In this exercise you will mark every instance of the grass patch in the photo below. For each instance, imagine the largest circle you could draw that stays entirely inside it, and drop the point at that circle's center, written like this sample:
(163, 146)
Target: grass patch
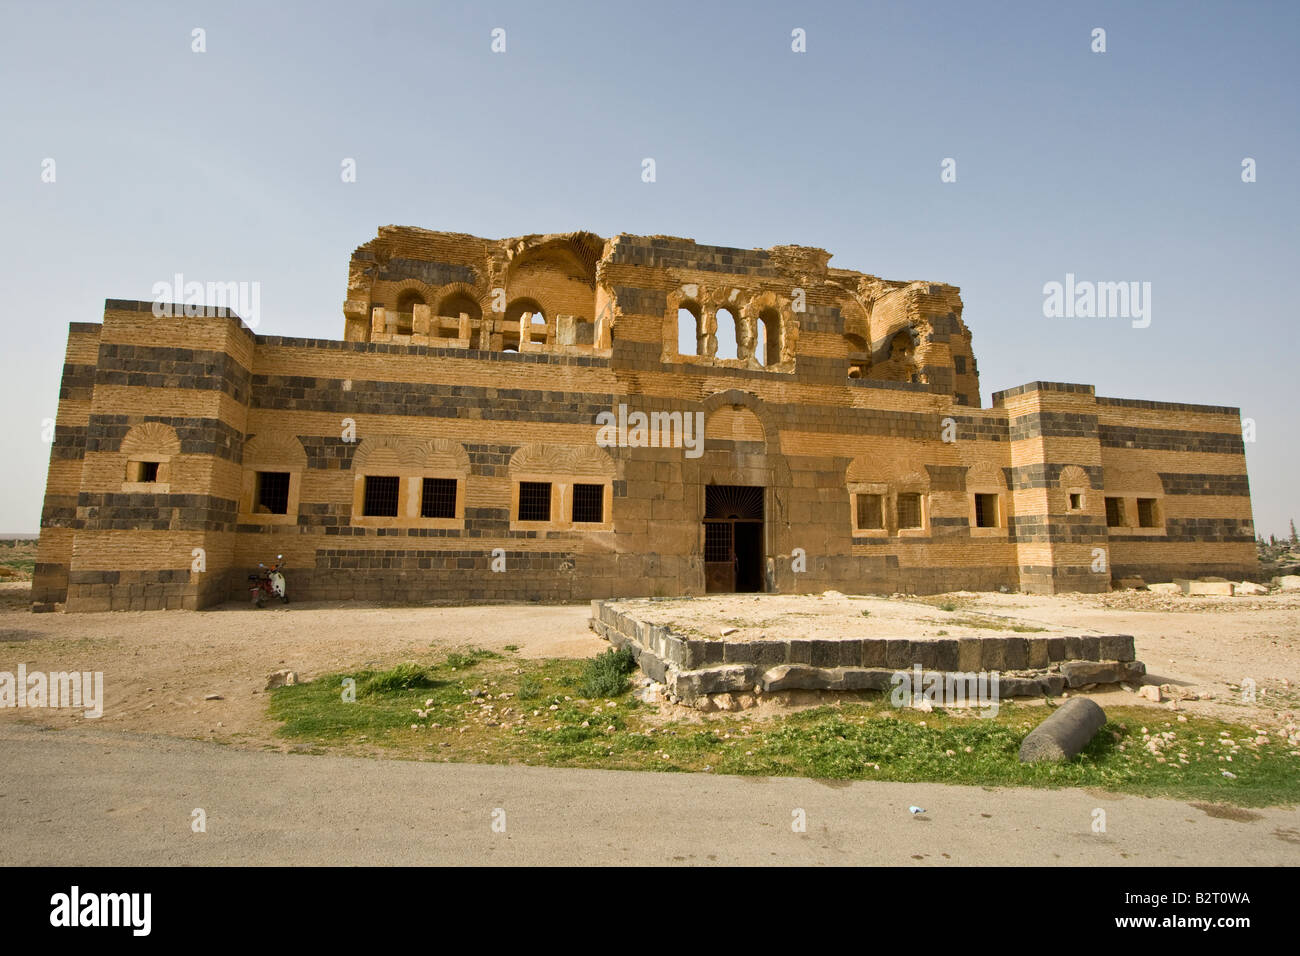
(462, 659)
(547, 712)
(401, 677)
(606, 674)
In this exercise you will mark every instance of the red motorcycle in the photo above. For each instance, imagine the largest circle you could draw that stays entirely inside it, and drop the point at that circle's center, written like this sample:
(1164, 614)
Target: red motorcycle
(268, 582)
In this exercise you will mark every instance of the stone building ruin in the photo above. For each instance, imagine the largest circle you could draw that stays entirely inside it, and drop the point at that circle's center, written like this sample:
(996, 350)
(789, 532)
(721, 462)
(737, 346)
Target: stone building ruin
(445, 449)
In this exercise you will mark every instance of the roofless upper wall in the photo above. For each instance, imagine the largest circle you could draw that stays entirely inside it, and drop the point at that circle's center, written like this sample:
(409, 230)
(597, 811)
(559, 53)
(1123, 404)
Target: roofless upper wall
(661, 301)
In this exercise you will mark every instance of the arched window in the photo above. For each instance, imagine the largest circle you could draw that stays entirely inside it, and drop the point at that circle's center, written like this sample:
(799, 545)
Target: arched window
(688, 329)
(459, 303)
(767, 346)
(727, 348)
(521, 307)
(520, 311)
(406, 303)
(408, 300)
(447, 324)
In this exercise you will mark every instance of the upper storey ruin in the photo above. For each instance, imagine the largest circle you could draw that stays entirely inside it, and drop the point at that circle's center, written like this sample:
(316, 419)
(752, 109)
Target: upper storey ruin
(655, 301)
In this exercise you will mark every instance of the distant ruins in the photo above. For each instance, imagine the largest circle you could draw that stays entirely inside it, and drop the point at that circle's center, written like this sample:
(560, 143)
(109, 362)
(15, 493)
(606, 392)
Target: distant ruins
(457, 445)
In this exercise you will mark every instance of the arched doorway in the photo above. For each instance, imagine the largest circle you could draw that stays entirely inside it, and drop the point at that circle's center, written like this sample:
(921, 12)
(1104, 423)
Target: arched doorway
(733, 538)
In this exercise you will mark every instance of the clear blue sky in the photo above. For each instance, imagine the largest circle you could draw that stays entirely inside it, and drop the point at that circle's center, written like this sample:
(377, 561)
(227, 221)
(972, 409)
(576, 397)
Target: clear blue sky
(1117, 166)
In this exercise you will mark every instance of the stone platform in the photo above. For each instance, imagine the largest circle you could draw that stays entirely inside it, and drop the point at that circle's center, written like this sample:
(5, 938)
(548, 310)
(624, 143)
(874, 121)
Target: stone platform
(729, 644)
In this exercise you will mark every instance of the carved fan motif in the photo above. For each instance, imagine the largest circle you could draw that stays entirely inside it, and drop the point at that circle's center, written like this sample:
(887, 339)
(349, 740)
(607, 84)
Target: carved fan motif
(733, 501)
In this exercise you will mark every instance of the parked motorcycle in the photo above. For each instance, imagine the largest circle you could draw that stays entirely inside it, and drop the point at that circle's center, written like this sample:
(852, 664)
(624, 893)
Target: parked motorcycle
(268, 582)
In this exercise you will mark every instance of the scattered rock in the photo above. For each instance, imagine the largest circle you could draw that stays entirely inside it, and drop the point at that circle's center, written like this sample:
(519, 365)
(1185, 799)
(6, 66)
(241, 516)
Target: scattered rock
(284, 678)
(728, 630)
(1249, 587)
(1165, 588)
(1288, 582)
(1150, 692)
(213, 697)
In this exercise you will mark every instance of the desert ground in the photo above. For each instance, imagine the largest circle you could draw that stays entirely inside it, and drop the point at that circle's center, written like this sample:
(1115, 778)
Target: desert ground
(185, 726)
(203, 674)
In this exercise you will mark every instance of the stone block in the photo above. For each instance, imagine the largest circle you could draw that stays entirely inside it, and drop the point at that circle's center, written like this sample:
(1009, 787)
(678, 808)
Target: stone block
(788, 677)
(1082, 673)
(993, 654)
(653, 666)
(1204, 588)
(769, 654)
(874, 652)
(800, 651)
(899, 654)
(1015, 654)
(866, 678)
(1036, 652)
(1117, 647)
(825, 653)
(968, 654)
(944, 655)
(850, 653)
(697, 653)
(1020, 687)
(737, 652)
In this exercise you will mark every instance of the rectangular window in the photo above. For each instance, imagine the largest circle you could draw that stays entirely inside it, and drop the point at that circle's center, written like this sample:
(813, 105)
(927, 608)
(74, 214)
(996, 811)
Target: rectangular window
(438, 498)
(272, 492)
(1114, 512)
(909, 510)
(871, 516)
(986, 511)
(1076, 501)
(381, 496)
(959, 364)
(1147, 516)
(148, 471)
(534, 501)
(588, 504)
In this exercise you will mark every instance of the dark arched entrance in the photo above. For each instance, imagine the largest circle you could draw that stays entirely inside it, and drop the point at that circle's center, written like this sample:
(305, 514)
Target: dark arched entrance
(733, 538)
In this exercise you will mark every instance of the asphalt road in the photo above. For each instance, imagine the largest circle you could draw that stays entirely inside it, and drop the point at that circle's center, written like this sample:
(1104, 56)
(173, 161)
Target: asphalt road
(78, 797)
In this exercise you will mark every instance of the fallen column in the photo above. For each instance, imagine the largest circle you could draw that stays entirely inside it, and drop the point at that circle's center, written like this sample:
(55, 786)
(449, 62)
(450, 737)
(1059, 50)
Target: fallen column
(1065, 733)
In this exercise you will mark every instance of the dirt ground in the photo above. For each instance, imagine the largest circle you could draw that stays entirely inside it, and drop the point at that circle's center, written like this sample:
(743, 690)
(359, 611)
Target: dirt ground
(160, 665)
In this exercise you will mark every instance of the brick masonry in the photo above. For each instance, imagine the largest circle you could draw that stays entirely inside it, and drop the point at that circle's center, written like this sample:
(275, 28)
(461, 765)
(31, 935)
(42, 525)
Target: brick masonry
(867, 386)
